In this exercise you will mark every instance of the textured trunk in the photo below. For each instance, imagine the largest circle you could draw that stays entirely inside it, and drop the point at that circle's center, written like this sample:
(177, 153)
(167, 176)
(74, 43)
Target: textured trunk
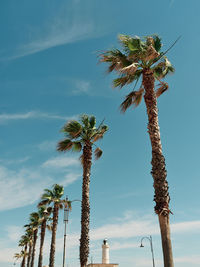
(24, 258)
(34, 244)
(53, 237)
(85, 208)
(29, 254)
(158, 172)
(42, 235)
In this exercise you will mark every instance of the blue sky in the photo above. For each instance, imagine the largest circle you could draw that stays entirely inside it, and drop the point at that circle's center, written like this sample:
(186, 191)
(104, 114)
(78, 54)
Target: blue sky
(48, 75)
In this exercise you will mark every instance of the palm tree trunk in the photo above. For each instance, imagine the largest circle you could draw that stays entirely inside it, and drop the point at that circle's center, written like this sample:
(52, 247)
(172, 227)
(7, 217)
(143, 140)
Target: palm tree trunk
(42, 236)
(24, 258)
(29, 254)
(158, 172)
(85, 208)
(34, 245)
(53, 237)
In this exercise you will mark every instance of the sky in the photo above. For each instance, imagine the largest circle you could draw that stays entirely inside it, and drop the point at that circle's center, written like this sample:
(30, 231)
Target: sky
(49, 74)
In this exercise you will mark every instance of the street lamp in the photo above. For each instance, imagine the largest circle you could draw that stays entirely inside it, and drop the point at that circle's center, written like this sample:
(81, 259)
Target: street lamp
(66, 218)
(151, 244)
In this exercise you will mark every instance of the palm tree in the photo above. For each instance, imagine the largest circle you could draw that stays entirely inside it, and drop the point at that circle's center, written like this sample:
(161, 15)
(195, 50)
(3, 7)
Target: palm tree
(142, 58)
(44, 214)
(81, 136)
(33, 226)
(18, 256)
(53, 197)
(29, 232)
(23, 242)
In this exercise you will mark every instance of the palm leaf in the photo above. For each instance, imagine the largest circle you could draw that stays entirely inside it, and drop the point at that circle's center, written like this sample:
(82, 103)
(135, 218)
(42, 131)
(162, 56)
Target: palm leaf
(126, 79)
(164, 87)
(98, 153)
(65, 145)
(92, 121)
(85, 120)
(72, 128)
(157, 42)
(132, 99)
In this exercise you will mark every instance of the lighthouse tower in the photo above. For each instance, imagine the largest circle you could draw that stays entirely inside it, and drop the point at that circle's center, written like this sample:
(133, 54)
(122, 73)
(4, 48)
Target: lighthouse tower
(105, 252)
(105, 257)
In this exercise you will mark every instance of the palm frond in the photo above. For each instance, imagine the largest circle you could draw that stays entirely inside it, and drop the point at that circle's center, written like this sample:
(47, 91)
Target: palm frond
(164, 87)
(100, 133)
(72, 129)
(92, 121)
(130, 43)
(163, 68)
(98, 153)
(65, 145)
(132, 99)
(126, 79)
(85, 120)
(157, 42)
(116, 59)
(130, 70)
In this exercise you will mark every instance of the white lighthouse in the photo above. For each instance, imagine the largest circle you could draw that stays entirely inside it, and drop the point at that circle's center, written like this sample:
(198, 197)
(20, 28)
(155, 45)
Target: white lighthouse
(105, 252)
(105, 257)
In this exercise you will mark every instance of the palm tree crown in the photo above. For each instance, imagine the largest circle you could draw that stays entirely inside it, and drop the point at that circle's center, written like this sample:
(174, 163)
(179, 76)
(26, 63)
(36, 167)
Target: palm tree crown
(79, 133)
(138, 55)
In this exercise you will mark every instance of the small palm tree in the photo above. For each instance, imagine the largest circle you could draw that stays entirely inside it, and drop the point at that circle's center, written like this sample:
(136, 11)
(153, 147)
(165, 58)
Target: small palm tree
(18, 256)
(53, 198)
(44, 214)
(81, 136)
(33, 227)
(29, 233)
(23, 242)
(142, 58)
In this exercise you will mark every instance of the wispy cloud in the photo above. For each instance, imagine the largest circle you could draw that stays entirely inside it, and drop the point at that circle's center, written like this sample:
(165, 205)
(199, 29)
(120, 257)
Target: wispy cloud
(69, 24)
(81, 87)
(32, 115)
(30, 182)
(47, 145)
(61, 162)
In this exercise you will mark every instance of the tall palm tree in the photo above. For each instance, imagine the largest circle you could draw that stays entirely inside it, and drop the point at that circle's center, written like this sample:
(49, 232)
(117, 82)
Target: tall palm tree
(81, 136)
(53, 198)
(142, 58)
(44, 214)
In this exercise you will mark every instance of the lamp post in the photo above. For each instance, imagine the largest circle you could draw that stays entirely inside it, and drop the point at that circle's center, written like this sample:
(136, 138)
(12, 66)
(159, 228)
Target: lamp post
(66, 219)
(151, 244)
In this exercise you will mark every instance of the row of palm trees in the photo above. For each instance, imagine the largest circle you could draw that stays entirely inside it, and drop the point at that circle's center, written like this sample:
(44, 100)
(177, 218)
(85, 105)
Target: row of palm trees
(80, 136)
(46, 217)
(141, 59)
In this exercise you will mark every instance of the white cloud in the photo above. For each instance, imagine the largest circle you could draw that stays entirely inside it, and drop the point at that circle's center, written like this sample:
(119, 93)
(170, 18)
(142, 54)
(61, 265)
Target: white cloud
(82, 87)
(20, 188)
(23, 187)
(14, 161)
(185, 226)
(61, 162)
(14, 232)
(70, 178)
(70, 24)
(32, 115)
(47, 145)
